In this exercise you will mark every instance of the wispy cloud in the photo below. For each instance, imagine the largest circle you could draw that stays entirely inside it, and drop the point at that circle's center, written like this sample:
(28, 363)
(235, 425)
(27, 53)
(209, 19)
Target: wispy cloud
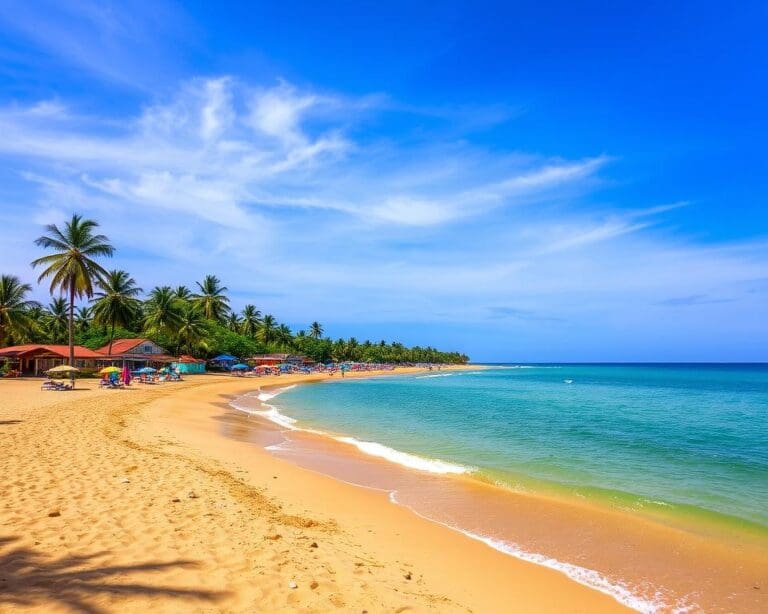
(282, 192)
(222, 146)
(693, 299)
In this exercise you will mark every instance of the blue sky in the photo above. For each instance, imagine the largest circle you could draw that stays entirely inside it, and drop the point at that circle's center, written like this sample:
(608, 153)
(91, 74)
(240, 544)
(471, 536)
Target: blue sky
(529, 181)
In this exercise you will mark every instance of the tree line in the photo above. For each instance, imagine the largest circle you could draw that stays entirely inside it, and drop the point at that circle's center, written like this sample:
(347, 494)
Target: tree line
(198, 321)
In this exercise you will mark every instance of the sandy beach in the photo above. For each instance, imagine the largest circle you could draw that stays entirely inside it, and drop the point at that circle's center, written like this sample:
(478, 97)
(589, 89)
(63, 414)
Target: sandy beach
(111, 502)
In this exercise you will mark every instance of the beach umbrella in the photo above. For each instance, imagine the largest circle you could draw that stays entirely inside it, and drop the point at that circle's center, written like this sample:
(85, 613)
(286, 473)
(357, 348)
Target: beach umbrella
(239, 367)
(106, 370)
(126, 375)
(146, 370)
(224, 358)
(63, 369)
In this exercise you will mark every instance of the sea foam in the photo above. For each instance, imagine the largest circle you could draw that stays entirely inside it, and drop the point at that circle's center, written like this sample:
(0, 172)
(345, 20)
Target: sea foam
(431, 465)
(587, 577)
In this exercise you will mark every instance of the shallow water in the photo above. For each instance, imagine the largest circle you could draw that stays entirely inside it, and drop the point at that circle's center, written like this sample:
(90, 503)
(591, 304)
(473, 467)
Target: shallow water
(680, 444)
(663, 435)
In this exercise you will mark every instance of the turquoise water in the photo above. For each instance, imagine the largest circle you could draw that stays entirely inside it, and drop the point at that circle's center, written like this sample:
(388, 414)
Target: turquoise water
(686, 437)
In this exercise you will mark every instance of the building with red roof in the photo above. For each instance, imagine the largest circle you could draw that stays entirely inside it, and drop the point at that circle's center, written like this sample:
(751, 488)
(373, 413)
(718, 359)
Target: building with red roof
(36, 358)
(136, 352)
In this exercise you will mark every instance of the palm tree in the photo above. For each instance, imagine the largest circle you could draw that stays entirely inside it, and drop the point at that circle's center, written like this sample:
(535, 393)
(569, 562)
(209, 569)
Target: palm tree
(211, 300)
(267, 329)
(284, 336)
(233, 322)
(83, 318)
(56, 321)
(36, 316)
(183, 293)
(250, 322)
(14, 308)
(316, 330)
(116, 303)
(72, 267)
(162, 311)
(192, 327)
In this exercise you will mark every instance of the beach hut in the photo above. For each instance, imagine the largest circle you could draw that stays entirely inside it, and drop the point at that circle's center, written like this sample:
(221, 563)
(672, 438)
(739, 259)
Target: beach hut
(188, 365)
(35, 358)
(136, 353)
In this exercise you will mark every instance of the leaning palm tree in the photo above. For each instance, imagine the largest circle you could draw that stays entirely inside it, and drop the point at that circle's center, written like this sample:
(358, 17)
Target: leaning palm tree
(116, 303)
(316, 330)
(211, 300)
(15, 320)
(250, 321)
(56, 320)
(162, 311)
(72, 266)
(267, 331)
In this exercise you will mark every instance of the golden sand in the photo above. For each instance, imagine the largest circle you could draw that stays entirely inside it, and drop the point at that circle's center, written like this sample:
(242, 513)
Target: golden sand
(132, 500)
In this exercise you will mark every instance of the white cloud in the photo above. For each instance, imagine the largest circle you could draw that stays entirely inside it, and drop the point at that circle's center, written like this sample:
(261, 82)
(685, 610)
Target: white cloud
(279, 192)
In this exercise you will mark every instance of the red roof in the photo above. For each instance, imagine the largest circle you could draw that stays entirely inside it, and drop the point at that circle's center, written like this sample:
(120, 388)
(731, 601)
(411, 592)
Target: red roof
(123, 346)
(186, 358)
(60, 350)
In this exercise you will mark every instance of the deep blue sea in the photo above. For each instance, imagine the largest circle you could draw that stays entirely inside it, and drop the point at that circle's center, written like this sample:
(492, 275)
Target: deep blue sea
(690, 438)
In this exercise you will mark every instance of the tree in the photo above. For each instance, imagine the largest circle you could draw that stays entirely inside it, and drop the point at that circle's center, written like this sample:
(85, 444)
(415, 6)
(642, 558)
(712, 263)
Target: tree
(316, 330)
(162, 311)
(56, 321)
(267, 332)
(15, 320)
(250, 322)
(116, 303)
(284, 336)
(72, 267)
(211, 300)
(83, 318)
(183, 293)
(192, 327)
(233, 322)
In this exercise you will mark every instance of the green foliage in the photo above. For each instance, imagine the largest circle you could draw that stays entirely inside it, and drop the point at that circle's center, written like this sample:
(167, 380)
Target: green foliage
(97, 337)
(221, 340)
(201, 323)
(15, 321)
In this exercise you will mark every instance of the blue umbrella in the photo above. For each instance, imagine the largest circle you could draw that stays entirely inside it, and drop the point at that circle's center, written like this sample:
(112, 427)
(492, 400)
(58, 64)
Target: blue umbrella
(239, 367)
(147, 370)
(225, 358)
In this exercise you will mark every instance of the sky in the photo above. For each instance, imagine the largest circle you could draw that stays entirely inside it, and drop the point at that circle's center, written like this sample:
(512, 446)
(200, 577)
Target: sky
(527, 181)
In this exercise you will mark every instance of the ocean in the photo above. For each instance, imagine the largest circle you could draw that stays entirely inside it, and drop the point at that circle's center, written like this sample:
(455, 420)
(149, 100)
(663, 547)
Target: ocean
(684, 445)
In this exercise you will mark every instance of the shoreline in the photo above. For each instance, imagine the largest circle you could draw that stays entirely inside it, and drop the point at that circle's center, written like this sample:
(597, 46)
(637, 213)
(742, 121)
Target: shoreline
(693, 535)
(675, 515)
(368, 511)
(248, 530)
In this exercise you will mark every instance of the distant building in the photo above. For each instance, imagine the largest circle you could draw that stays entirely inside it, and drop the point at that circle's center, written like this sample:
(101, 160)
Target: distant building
(36, 358)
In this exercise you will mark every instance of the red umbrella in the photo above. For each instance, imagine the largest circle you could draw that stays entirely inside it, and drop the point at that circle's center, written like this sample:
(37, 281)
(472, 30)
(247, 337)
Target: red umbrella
(126, 375)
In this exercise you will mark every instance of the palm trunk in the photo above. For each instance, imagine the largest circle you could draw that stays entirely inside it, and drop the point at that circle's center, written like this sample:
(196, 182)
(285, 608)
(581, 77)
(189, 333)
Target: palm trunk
(111, 338)
(72, 326)
(72, 331)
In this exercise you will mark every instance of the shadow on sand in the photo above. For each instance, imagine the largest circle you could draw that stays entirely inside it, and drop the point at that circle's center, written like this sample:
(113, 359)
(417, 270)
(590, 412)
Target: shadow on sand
(28, 578)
